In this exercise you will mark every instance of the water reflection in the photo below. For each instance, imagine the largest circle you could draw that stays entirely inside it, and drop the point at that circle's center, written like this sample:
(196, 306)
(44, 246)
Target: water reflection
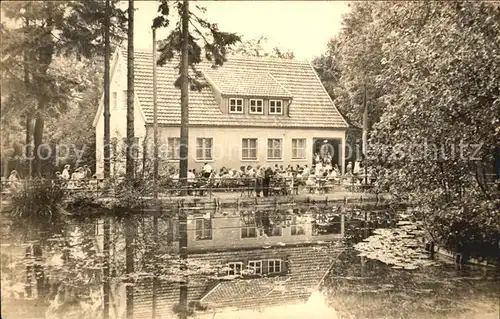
(261, 263)
(358, 287)
(315, 307)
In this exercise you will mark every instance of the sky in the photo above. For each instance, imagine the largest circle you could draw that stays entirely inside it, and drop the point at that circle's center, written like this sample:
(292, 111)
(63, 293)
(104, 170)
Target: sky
(303, 27)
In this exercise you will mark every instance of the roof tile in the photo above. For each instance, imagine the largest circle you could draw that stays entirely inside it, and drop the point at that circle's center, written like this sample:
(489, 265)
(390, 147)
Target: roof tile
(250, 76)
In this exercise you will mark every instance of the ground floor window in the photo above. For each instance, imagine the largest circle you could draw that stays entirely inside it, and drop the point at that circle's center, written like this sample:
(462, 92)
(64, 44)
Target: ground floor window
(204, 149)
(271, 231)
(274, 148)
(298, 148)
(173, 148)
(203, 229)
(249, 149)
(297, 226)
(248, 232)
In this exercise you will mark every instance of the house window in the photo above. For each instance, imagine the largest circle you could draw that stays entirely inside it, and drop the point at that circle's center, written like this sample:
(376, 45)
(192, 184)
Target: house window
(274, 148)
(275, 231)
(249, 149)
(173, 148)
(204, 149)
(298, 148)
(274, 266)
(235, 105)
(114, 100)
(235, 268)
(124, 99)
(275, 107)
(255, 266)
(297, 226)
(203, 229)
(248, 232)
(256, 106)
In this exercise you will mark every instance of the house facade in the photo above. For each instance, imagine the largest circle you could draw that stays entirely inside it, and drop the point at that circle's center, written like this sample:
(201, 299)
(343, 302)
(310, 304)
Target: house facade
(239, 258)
(251, 110)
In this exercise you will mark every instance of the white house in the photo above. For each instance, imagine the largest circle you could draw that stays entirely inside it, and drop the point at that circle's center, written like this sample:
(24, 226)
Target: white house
(255, 110)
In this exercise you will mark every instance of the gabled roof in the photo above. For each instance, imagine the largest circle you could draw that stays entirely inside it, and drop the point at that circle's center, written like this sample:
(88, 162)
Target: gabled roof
(311, 105)
(242, 82)
(308, 266)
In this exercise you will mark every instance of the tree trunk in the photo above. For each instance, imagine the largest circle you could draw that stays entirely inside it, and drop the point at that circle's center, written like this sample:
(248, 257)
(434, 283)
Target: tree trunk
(107, 53)
(130, 92)
(39, 273)
(29, 272)
(129, 264)
(29, 119)
(28, 146)
(183, 242)
(129, 235)
(38, 138)
(106, 282)
(155, 266)
(183, 162)
(44, 60)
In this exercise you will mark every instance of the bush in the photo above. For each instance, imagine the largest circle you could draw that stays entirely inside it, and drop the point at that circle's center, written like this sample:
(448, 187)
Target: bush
(37, 204)
(471, 227)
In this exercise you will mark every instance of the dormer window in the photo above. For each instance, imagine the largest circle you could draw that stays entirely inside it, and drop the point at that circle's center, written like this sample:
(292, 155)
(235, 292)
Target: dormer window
(256, 106)
(235, 105)
(276, 107)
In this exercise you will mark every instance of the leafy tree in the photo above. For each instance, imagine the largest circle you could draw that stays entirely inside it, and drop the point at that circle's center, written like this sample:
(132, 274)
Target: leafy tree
(257, 47)
(42, 32)
(353, 61)
(438, 94)
(329, 69)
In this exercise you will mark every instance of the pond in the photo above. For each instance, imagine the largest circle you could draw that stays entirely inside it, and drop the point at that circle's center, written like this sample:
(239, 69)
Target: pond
(303, 270)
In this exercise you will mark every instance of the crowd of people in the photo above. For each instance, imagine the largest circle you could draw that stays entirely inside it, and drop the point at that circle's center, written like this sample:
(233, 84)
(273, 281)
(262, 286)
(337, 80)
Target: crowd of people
(74, 178)
(78, 174)
(261, 180)
(265, 180)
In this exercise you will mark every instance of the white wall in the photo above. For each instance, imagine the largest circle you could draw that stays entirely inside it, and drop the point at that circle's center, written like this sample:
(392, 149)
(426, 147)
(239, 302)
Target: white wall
(227, 144)
(118, 119)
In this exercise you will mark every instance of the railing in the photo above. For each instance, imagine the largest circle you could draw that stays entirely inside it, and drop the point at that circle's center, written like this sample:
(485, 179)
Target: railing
(199, 186)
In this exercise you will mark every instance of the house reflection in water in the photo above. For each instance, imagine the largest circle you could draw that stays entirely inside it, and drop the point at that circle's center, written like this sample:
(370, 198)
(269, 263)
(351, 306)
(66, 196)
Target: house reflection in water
(256, 260)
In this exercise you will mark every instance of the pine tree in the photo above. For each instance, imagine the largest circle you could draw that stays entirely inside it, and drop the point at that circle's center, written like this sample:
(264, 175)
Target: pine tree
(42, 32)
(183, 42)
(215, 44)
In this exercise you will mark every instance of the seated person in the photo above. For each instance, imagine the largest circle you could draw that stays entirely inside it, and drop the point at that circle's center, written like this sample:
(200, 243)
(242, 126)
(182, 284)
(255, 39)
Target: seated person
(191, 177)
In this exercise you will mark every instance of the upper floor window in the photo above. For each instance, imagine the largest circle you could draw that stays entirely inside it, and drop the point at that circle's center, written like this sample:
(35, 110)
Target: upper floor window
(275, 107)
(235, 105)
(114, 100)
(255, 267)
(256, 106)
(274, 266)
(204, 149)
(124, 99)
(234, 268)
